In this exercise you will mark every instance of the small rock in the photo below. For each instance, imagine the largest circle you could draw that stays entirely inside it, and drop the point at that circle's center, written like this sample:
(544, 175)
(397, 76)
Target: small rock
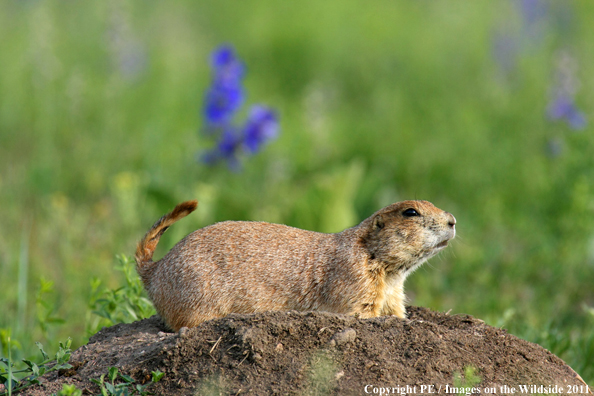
(183, 332)
(345, 336)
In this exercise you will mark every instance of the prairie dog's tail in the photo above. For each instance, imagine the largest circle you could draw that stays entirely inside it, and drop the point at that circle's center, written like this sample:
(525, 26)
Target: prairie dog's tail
(146, 247)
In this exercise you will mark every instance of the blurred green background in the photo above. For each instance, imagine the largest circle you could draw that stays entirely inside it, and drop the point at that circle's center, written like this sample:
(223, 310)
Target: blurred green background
(100, 119)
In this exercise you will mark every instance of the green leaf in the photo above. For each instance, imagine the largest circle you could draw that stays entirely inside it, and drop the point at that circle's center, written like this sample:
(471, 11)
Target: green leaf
(33, 366)
(123, 392)
(113, 373)
(70, 390)
(96, 381)
(68, 343)
(110, 388)
(127, 378)
(64, 366)
(157, 375)
(132, 313)
(45, 356)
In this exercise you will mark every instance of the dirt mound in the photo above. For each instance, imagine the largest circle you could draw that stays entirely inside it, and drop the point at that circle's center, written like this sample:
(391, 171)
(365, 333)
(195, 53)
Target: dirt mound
(307, 353)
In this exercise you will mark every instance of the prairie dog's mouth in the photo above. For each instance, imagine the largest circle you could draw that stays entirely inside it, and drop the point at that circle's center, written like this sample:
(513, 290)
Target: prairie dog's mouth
(442, 244)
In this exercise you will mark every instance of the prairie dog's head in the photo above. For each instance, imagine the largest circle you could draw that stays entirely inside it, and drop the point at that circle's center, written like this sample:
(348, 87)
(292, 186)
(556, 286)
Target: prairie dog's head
(404, 235)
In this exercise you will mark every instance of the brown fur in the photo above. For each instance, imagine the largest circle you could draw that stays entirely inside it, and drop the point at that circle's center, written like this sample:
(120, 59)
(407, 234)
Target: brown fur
(247, 267)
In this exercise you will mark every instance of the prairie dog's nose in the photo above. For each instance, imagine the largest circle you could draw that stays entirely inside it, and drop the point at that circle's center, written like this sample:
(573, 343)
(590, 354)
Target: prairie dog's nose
(451, 219)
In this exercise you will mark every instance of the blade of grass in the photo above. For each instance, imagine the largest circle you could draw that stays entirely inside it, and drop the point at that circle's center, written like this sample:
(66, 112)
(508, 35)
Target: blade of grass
(23, 277)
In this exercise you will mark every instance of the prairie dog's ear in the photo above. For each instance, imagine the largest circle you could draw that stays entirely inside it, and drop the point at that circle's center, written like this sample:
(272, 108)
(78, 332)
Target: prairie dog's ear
(378, 222)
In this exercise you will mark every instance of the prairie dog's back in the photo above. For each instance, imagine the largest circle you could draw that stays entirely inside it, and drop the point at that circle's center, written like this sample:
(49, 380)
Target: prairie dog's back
(241, 242)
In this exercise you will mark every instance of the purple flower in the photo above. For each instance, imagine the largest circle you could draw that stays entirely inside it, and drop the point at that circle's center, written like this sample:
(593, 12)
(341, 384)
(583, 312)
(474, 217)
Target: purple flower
(228, 68)
(261, 126)
(225, 96)
(225, 149)
(505, 51)
(128, 53)
(510, 42)
(563, 107)
(222, 101)
(533, 11)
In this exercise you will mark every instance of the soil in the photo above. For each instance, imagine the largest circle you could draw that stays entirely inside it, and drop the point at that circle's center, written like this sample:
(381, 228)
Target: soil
(317, 353)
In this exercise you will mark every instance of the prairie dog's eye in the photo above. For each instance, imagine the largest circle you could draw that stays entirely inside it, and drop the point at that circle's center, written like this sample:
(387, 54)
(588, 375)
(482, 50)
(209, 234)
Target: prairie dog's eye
(410, 212)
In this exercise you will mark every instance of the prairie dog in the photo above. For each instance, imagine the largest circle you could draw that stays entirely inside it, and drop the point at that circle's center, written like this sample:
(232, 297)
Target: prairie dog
(247, 267)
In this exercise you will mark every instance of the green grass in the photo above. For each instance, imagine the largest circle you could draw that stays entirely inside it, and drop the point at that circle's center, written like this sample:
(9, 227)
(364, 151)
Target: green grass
(378, 102)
